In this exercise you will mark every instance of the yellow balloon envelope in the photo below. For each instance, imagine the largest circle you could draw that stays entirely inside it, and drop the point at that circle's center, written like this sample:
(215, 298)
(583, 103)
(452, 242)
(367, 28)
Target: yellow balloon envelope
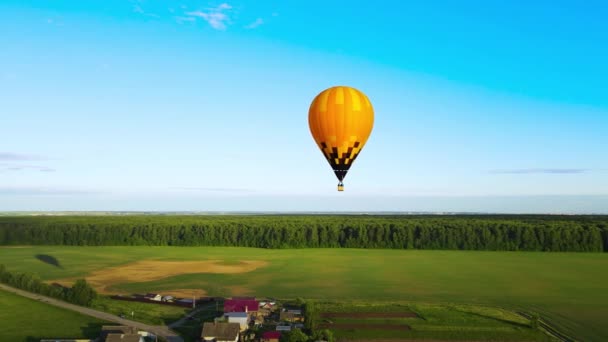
(341, 120)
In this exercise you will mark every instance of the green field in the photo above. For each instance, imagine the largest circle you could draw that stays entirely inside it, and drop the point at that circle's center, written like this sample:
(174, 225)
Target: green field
(440, 322)
(568, 289)
(27, 320)
(152, 314)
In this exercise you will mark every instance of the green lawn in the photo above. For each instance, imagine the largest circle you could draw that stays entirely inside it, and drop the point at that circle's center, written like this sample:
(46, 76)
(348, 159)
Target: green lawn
(153, 314)
(569, 289)
(27, 320)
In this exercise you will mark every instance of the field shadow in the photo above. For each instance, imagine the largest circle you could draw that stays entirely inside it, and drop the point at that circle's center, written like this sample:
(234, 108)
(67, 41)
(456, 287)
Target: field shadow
(48, 259)
(89, 331)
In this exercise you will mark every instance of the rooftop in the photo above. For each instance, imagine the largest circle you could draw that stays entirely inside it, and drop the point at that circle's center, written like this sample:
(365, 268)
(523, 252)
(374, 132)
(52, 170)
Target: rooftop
(220, 331)
(123, 338)
(236, 314)
(271, 334)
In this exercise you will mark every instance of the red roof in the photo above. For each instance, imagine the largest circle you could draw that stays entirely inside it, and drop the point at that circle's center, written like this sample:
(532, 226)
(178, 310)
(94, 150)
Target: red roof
(241, 305)
(271, 334)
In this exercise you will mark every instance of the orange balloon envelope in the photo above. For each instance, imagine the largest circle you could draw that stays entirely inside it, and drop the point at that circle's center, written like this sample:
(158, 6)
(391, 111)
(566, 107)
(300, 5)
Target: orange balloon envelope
(341, 120)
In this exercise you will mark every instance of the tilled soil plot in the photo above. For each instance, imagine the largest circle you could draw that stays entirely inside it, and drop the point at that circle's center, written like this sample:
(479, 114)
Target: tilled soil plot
(368, 315)
(365, 326)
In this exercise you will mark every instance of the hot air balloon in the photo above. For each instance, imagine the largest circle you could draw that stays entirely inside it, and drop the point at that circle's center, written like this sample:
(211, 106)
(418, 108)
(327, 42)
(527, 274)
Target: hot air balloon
(340, 120)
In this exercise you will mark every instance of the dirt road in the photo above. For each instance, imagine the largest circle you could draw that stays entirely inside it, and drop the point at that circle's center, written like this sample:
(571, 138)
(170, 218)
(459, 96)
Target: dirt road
(159, 330)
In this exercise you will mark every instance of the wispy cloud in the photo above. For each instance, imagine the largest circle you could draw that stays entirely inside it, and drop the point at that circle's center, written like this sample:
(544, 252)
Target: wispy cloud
(9, 156)
(539, 171)
(256, 23)
(204, 189)
(42, 191)
(181, 20)
(138, 9)
(13, 162)
(22, 167)
(216, 17)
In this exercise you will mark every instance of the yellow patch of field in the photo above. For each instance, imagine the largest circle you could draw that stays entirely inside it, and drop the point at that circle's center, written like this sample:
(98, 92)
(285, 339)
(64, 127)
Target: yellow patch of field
(150, 270)
(185, 293)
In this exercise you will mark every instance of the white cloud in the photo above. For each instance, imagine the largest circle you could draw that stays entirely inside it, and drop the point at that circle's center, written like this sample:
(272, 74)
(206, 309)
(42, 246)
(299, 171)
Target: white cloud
(24, 167)
(138, 9)
(256, 23)
(216, 17)
(539, 171)
(181, 20)
(18, 156)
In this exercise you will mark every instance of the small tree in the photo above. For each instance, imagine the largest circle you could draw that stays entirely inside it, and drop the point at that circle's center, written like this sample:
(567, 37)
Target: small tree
(296, 335)
(81, 293)
(324, 335)
(310, 315)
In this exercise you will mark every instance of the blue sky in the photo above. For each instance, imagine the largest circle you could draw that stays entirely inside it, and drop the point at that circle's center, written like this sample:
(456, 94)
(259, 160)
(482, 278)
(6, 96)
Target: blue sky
(196, 105)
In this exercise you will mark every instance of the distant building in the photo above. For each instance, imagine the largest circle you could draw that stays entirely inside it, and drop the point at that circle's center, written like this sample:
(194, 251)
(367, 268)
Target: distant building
(220, 332)
(271, 336)
(242, 318)
(283, 328)
(291, 316)
(124, 338)
(120, 333)
(153, 296)
(241, 304)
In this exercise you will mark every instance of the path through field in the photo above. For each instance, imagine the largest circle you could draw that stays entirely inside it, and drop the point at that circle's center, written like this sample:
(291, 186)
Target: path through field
(159, 330)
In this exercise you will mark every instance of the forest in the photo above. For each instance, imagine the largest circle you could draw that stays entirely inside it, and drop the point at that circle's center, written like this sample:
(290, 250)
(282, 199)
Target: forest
(452, 232)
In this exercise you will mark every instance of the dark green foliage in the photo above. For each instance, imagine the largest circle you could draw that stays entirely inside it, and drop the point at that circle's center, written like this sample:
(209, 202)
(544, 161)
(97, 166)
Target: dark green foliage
(81, 293)
(463, 232)
(295, 335)
(311, 315)
(323, 335)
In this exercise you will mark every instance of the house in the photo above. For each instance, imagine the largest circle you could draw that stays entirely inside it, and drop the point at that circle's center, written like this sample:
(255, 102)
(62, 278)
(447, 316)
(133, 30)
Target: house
(283, 328)
(124, 338)
(259, 320)
(153, 296)
(241, 304)
(122, 333)
(271, 336)
(242, 318)
(266, 306)
(291, 316)
(220, 332)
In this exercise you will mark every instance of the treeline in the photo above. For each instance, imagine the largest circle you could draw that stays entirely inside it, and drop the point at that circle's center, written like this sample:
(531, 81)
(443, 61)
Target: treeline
(482, 232)
(80, 293)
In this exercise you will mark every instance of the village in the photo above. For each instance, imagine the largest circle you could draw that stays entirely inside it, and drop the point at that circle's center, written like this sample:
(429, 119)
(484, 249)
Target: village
(236, 319)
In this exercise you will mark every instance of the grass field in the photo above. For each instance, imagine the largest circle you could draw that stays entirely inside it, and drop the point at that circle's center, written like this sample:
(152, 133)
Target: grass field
(27, 320)
(152, 314)
(569, 289)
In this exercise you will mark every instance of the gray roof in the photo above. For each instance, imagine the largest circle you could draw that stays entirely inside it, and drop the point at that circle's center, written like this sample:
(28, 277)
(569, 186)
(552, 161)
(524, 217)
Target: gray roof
(221, 331)
(123, 338)
(236, 314)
